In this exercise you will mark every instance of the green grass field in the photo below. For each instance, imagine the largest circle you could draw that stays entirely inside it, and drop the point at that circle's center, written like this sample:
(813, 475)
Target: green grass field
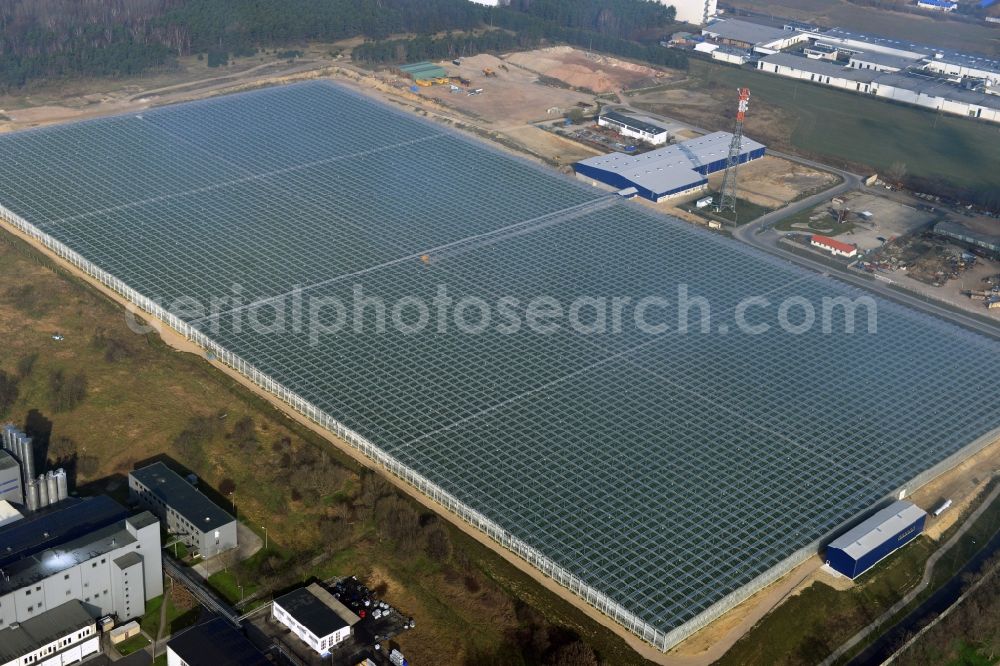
(865, 130)
(746, 211)
(130, 645)
(845, 128)
(802, 223)
(228, 584)
(144, 399)
(807, 627)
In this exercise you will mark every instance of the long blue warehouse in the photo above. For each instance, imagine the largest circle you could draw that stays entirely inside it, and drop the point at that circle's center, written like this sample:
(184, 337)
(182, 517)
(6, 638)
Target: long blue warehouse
(667, 172)
(862, 547)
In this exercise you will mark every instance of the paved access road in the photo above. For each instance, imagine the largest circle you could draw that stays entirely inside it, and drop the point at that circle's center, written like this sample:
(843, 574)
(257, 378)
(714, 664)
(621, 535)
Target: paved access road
(761, 235)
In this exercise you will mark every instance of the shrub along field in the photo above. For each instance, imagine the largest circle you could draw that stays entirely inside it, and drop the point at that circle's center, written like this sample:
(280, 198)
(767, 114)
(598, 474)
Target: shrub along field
(840, 127)
(102, 399)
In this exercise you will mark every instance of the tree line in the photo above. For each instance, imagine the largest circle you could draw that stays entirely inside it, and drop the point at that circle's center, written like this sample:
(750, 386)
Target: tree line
(612, 26)
(45, 39)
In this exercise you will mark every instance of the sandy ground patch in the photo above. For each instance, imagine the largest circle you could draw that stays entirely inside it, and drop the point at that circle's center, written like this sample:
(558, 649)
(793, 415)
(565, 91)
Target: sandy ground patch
(712, 642)
(589, 71)
(775, 181)
(512, 97)
(889, 219)
(131, 98)
(962, 486)
(549, 146)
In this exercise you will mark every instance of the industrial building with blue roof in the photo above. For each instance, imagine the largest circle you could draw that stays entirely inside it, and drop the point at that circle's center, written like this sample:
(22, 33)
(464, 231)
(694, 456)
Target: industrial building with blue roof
(668, 172)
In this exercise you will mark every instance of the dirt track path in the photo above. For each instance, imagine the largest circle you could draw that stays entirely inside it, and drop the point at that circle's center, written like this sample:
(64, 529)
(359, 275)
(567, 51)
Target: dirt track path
(924, 582)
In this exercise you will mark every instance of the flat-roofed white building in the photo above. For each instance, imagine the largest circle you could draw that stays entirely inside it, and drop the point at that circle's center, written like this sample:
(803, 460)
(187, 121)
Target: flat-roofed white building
(8, 514)
(114, 570)
(188, 514)
(731, 54)
(929, 92)
(633, 127)
(882, 62)
(938, 5)
(58, 637)
(965, 66)
(749, 35)
(315, 616)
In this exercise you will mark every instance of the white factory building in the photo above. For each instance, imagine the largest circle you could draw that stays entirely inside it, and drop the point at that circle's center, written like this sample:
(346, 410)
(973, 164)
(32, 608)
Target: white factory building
(967, 67)
(928, 92)
(668, 172)
(113, 570)
(696, 12)
(938, 5)
(938, 79)
(64, 635)
(633, 127)
(749, 35)
(315, 616)
(881, 62)
(186, 512)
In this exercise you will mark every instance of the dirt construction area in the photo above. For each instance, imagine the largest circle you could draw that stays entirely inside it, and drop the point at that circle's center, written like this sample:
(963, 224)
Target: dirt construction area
(550, 146)
(889, 219)
(866, 220)
(588, 71)
(955, 291)
(513, 96)
(773, 182)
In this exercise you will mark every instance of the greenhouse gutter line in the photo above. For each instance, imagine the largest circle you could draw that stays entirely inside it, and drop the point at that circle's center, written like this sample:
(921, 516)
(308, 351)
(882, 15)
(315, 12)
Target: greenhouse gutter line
(252, 177)
(429, 255)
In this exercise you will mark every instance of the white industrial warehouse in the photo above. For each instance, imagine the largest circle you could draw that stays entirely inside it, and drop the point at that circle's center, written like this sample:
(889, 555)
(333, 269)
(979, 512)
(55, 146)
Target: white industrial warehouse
(188, 514)
(315, 616)
(946, 81)
(633, 127)
(925, 91)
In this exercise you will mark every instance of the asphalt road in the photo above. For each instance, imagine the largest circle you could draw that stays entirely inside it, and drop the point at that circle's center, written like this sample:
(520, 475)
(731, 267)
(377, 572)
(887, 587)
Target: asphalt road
(761, 235)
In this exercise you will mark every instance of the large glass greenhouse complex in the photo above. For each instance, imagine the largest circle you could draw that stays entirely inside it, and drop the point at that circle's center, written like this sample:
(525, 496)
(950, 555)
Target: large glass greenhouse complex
(662, 476)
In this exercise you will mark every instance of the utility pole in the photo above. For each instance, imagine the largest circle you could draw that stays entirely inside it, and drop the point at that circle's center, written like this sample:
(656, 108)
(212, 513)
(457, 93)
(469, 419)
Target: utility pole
(727, 193)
